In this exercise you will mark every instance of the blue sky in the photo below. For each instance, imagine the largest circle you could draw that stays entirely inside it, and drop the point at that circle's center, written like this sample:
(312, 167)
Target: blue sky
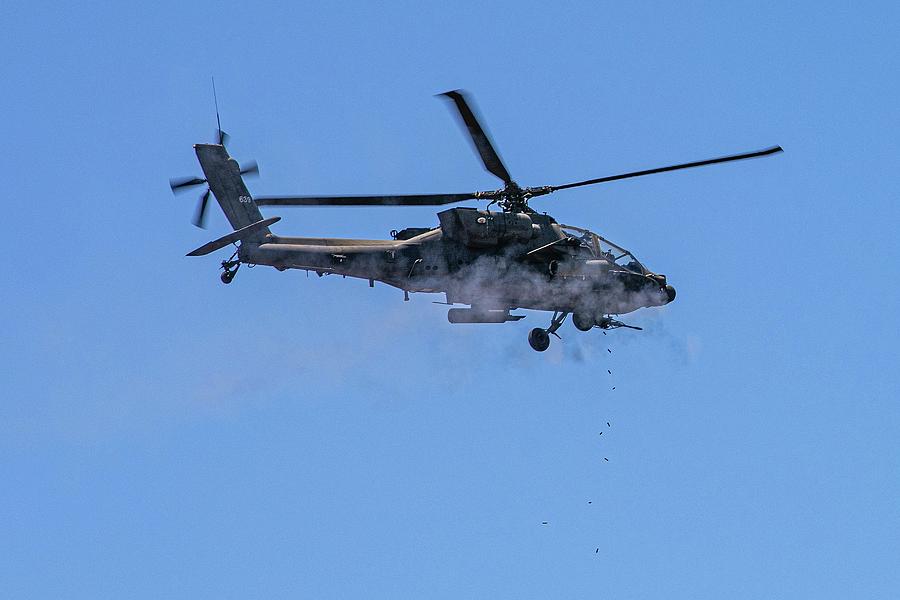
(163, 435)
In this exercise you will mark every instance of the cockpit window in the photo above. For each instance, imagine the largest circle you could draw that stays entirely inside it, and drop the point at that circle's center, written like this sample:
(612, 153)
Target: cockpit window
(602, 248)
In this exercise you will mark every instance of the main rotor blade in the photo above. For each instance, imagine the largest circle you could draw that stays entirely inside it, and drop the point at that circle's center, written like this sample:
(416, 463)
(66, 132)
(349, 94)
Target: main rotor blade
(199, 219)
(184, 182)
(405, 200)
(699, 163)
(482, 142)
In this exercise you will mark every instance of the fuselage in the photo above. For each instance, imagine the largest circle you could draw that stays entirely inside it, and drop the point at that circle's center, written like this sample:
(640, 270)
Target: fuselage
(488, 260)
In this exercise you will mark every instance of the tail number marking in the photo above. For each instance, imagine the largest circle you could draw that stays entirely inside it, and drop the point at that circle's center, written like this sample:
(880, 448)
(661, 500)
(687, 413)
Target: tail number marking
(245, 199)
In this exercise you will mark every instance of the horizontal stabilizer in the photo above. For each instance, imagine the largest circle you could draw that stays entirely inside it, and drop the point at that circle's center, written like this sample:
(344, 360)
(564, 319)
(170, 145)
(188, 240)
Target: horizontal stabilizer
(234, 236)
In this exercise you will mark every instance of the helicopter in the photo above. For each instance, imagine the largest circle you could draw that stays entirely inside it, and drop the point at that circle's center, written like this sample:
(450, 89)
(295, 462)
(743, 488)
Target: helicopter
(492, 262)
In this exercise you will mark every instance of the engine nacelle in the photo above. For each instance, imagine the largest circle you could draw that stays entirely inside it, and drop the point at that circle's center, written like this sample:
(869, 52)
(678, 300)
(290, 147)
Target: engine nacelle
(483, 228)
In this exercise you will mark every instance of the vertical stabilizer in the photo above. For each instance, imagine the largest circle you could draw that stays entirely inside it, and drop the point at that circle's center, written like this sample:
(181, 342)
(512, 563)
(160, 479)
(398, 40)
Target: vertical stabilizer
(223, 174)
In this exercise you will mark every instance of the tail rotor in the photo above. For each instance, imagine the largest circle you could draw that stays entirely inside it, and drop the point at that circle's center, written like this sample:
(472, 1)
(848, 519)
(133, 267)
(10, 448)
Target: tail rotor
(181, 184)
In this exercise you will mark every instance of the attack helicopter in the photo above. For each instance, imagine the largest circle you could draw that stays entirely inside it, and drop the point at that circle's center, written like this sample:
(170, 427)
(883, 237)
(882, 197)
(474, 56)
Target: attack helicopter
(492, 262)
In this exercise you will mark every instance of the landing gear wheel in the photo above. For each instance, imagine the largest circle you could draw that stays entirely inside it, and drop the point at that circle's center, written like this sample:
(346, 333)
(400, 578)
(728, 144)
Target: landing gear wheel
(230, 268)
(539, 339)
(583, 321)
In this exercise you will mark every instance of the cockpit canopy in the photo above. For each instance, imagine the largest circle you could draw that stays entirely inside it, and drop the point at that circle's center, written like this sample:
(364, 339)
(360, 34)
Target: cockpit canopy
(601, 247)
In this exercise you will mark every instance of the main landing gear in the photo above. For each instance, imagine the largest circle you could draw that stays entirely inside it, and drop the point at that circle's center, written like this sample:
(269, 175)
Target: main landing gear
(539, 339)
(583, 321)
(230, 268)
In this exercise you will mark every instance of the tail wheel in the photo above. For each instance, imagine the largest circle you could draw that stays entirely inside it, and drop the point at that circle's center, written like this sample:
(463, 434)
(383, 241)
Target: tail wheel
(539, 339)
(227, 277)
